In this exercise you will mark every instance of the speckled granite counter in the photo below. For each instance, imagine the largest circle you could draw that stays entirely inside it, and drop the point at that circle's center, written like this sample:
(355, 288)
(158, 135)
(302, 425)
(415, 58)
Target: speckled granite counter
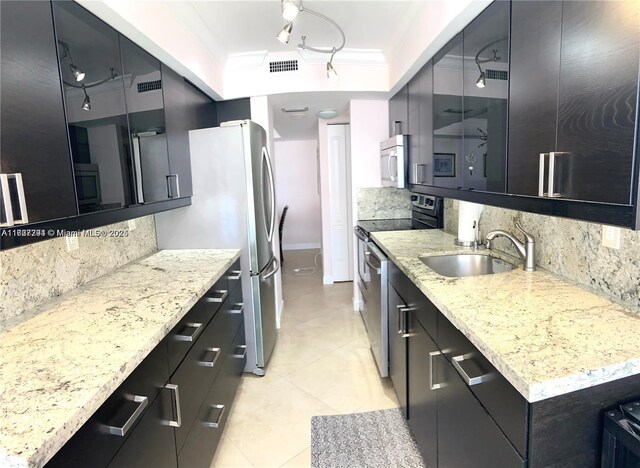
(546, 335)
(59, 366)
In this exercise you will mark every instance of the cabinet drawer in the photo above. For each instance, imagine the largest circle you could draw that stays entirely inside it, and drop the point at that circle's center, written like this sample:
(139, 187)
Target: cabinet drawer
(506, 406)
(234, 275)
(93, 444)
(152, 442)
(204, 436)
(467, 436)
(186, 332)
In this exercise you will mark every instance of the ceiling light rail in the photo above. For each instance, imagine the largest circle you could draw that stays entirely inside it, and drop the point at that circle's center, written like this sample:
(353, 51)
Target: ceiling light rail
(290, 10)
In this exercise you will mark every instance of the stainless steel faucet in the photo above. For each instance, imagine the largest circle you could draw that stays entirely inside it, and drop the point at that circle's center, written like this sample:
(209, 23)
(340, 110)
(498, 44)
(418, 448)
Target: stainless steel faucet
(527, 250)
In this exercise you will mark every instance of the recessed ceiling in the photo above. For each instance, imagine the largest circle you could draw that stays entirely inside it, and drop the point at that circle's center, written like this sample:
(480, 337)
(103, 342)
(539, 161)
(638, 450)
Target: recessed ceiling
(306, 128)
(243, 26)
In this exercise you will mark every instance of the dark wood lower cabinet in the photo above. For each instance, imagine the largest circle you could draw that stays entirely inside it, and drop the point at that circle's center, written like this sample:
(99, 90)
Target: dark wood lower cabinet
(467, 436)
(152, 443)
(163, 418)
(398, 348)
(423, 392)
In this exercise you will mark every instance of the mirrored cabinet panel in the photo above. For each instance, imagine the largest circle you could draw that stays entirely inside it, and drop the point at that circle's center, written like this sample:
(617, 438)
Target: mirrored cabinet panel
(486, 90)
(36, 177)
(145, 106)
(448, 115)
(93, 85)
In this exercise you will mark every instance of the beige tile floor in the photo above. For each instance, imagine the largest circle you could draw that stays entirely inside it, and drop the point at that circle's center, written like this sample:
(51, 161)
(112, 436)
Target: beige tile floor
(321, 365)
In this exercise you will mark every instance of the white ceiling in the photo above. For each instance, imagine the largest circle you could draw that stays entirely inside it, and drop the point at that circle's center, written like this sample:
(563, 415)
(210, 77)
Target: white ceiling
(242, 26)
(238, 26)
(290, 128)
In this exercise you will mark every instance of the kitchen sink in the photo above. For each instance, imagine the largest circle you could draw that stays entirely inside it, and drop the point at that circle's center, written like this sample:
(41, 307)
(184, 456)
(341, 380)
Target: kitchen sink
(458, 265)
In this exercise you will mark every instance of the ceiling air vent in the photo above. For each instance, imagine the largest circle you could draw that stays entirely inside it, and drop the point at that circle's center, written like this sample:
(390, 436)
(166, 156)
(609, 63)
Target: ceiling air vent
(497, 75)
(149, 86)
(283, 66)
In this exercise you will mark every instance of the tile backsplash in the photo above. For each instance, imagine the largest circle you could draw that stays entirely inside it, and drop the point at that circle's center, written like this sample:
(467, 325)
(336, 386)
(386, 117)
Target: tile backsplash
(383, 203)
(32, 274)
(569, 248)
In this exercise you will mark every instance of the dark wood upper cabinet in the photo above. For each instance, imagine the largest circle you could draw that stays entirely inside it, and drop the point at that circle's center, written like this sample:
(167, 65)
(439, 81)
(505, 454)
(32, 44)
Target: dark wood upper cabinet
(185, 108)
(534, 75)
(398, 113)
(448, 115)
(486, 92)
(93, 85)
(145, 110)
(34, 138)
(574, 93)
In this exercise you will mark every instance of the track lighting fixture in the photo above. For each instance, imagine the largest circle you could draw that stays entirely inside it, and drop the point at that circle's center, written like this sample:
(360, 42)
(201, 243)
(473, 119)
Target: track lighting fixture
(77, 72)
(332, 74)
(284, 35)
(86, 104)
(482, 79)
(290, 9)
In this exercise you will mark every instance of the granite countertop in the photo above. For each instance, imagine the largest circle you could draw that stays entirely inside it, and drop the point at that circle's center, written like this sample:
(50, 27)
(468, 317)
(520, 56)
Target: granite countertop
(60, 365)
(546, 335)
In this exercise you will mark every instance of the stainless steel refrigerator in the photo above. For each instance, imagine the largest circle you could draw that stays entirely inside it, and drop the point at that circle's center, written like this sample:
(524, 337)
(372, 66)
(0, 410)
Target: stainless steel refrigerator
(233, 206)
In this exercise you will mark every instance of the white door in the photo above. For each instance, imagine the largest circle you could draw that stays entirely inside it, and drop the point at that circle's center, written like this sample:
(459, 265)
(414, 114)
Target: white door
(340, 202)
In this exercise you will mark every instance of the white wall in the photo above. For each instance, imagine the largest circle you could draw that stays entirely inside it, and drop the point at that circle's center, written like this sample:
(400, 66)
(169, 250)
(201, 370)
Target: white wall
(297, 186)
(369, 126)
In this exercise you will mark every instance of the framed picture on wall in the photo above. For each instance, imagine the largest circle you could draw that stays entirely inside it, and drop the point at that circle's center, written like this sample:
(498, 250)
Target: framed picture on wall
(444, 164)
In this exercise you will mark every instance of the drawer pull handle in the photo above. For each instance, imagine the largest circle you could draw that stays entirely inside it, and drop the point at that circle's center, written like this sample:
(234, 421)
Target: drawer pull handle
(197, 329)
(457, 363)
(175, 405)
(432, 384)
(237, 309)
(243, 352)
(216, 424)
(235, 275)
(121, 431)
(213, 361)
(223, 293)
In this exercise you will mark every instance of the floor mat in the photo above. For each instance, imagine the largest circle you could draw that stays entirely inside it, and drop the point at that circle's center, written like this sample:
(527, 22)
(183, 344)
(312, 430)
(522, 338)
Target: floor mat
(373, 439)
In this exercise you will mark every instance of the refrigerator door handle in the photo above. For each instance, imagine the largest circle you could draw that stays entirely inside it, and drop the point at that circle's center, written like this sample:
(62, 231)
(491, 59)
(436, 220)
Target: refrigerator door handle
(137, 168)
(272, 195)
(274, 260)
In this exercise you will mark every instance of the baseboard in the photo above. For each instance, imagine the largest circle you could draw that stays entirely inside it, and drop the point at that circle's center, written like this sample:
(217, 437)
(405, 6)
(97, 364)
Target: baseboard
(303, 246)
(327, 279)
(357, 304)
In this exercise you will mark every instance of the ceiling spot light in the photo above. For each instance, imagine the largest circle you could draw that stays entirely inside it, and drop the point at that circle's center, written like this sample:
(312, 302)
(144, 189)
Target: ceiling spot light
(86, 104)
(289, 9)
(481, 83)
(332, 74)
(284, 35)
(79, 74)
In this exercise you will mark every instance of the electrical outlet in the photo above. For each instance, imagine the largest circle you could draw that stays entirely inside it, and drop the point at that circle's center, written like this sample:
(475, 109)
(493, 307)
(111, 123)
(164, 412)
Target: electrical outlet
(72, 243)
(611, 236)
(132, 224)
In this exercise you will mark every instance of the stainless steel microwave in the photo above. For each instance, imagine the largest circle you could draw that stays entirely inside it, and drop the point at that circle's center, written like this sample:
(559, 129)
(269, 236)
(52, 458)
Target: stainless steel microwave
(88, 184)
(393, 159)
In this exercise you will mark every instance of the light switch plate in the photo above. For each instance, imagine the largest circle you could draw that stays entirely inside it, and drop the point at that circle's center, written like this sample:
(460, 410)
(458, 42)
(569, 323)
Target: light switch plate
(132, 224)
(611, 237)
(72, 243)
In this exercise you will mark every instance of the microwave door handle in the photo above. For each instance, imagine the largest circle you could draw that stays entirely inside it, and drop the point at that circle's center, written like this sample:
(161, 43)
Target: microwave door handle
(6, 200)
(392, 155)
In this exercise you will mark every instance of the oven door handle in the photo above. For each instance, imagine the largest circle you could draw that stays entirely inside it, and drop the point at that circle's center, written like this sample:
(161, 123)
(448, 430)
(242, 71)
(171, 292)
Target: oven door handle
(377, 269)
